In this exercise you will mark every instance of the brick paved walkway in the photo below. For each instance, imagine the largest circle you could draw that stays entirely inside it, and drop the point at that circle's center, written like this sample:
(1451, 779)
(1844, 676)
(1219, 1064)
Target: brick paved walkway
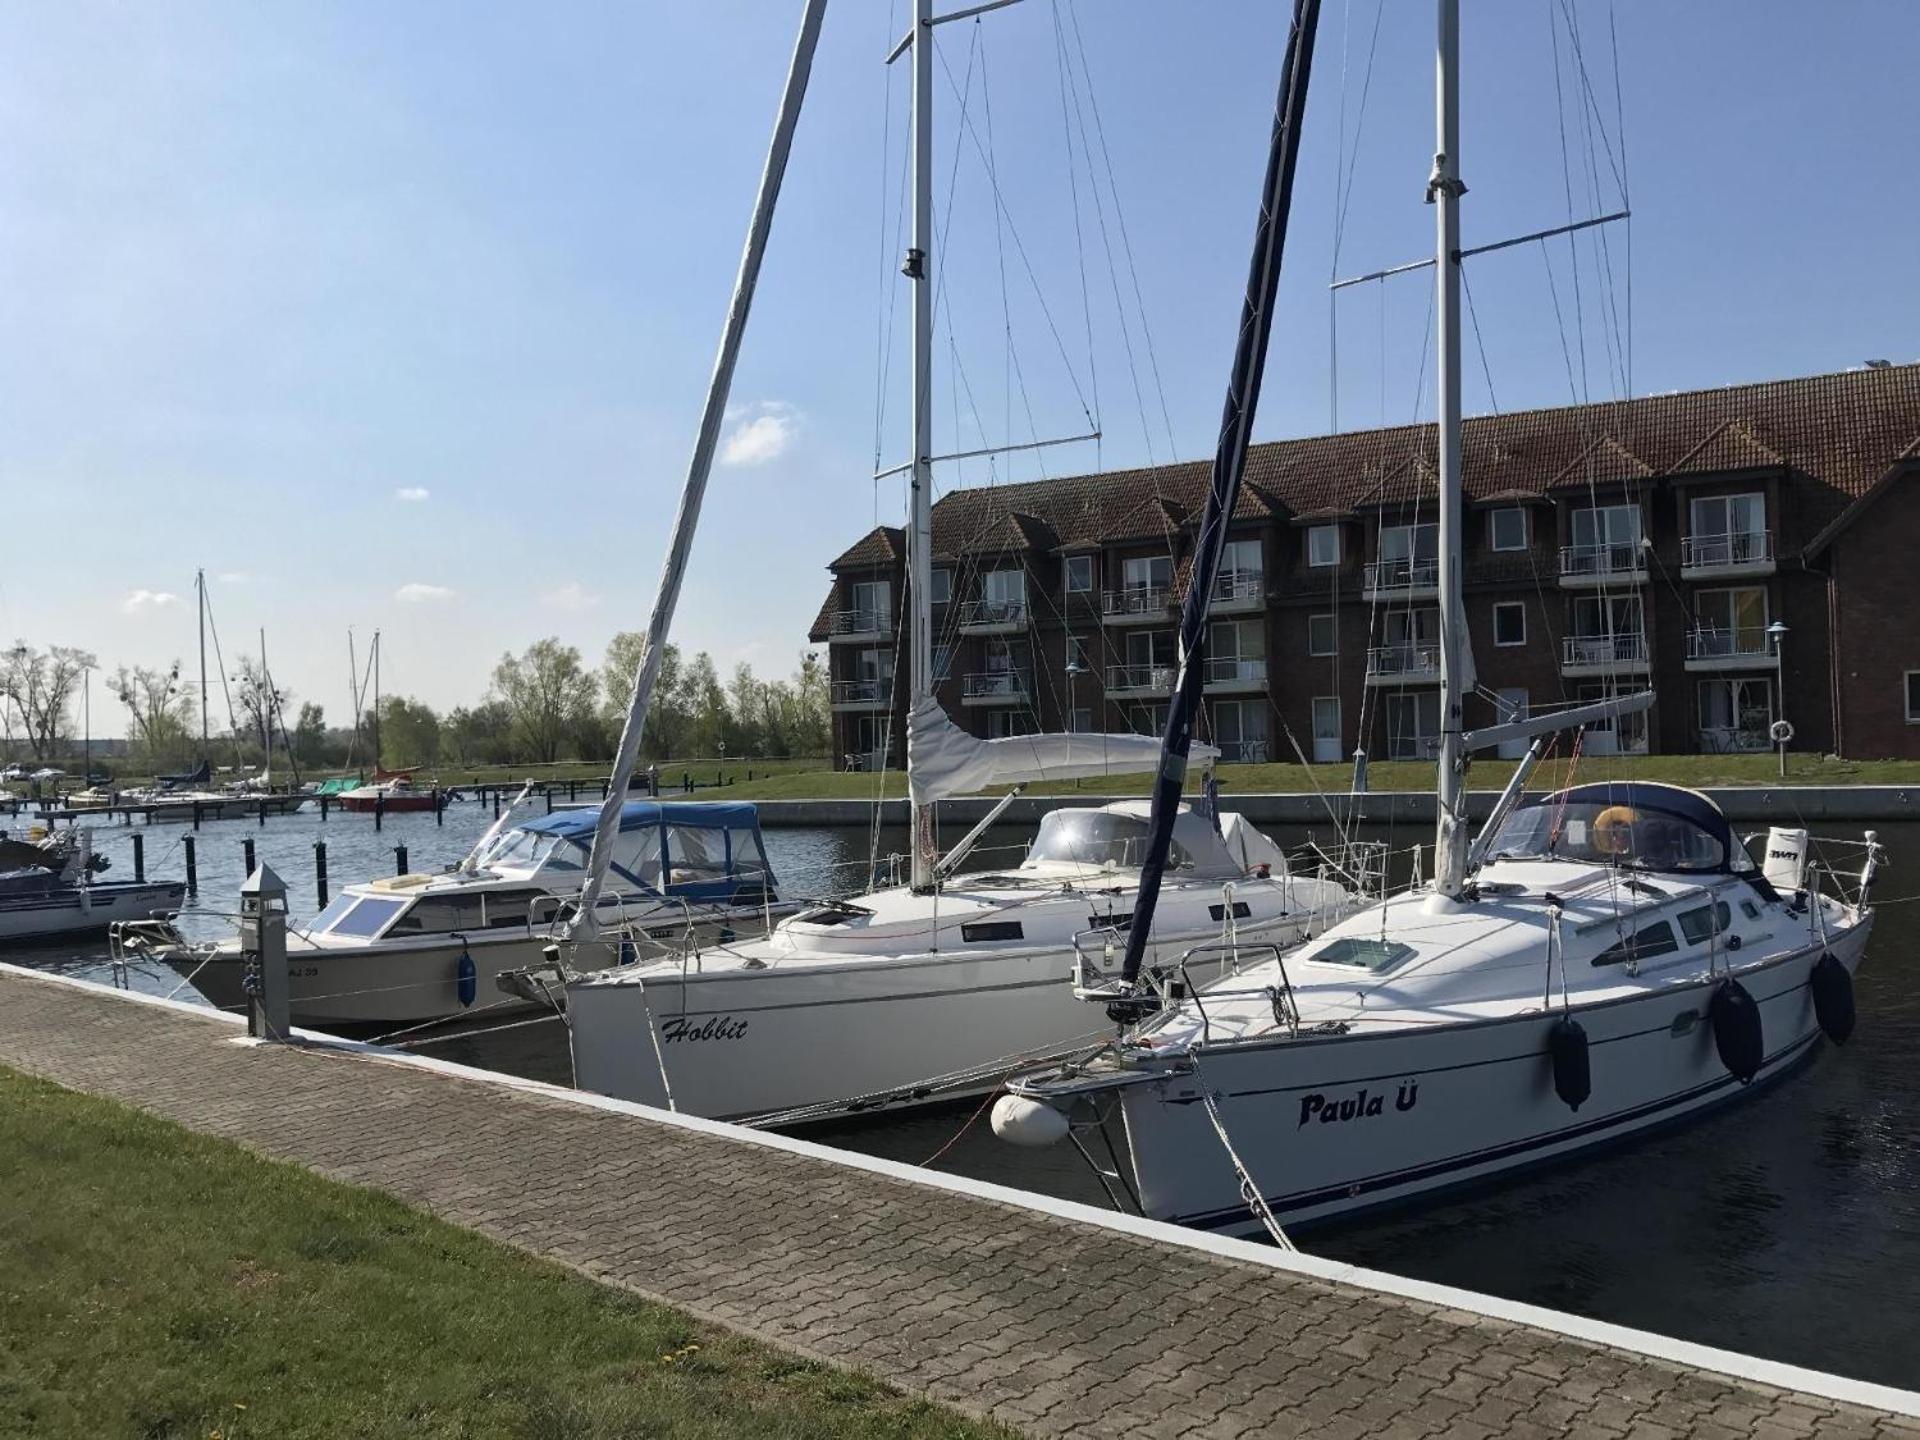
(1056, 1326)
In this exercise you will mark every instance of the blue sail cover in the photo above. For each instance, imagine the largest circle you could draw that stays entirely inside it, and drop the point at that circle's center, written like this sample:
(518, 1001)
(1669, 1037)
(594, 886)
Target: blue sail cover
(638, 814)
(705, 850)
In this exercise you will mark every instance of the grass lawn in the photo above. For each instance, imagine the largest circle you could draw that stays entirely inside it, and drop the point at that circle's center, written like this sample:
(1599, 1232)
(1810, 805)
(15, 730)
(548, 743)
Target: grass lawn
(154, 1283)
(1488, 774)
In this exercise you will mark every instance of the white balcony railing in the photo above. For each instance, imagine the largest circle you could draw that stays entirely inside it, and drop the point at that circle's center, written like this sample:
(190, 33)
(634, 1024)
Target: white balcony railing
(994, 685)
(1139, 677)
(1386, 576)
(1229, 670)
(978, 614)
(1603, 651)
(1624, 559)
(1137, 600)
(1406, 661)
(860, 622)
(862, 692)
(1735, 551)
(1708, 643)
(1237, 586)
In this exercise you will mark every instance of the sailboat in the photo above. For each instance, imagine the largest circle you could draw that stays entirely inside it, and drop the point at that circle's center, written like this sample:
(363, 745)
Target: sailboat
(1601, 960)
(936, 987)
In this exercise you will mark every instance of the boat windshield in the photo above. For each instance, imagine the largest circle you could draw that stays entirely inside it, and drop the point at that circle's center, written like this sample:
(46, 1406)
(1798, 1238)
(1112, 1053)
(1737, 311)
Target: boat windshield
(1099, 838)
(1599, 832)
(531, 850)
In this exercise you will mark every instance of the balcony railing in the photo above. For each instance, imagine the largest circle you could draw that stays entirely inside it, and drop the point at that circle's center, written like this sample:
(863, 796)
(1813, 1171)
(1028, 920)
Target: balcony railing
(994, 685)
(1708, 643)
(862, 692)
(1416, 661)
(1736, 551)
(1623, 560)
(1244, 752)
(1140, 600)
(1239, 586)
(860, 622)
(1404, 573)
(1732, 739)
(1603, 651)
(1139, 677)
(1228, 670)
(991, 614)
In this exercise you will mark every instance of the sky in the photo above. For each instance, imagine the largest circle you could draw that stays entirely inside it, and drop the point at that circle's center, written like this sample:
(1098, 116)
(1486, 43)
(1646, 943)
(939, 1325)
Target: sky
(400, 317)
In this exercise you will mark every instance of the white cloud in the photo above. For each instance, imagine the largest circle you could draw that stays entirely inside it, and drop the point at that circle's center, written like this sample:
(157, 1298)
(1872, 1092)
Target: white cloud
(417, 593)
(141, 600)
(572, 596)
(412, 494)
(761, 434)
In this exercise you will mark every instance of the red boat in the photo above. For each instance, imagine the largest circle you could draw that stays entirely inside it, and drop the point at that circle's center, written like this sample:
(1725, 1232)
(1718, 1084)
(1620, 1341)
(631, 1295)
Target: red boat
(391, 792)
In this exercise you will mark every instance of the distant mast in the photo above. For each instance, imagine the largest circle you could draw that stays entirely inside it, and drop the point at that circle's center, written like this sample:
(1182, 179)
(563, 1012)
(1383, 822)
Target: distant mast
(918, 268)
(200, 593)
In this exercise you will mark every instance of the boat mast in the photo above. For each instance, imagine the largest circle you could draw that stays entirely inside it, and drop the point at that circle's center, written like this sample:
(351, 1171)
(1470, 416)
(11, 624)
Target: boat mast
(1443, 193)
(918, 269)
(375, 718)
(200, 593)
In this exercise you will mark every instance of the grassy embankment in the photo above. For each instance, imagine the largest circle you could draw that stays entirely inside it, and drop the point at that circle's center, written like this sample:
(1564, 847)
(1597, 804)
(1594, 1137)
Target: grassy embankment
(157, 1283)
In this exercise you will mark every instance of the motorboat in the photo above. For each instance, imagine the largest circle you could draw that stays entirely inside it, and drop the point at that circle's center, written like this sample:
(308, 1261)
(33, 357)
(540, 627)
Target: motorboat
(1618, 962)
(899, 997)
(411, 948)
(391, 792)
(52, 889)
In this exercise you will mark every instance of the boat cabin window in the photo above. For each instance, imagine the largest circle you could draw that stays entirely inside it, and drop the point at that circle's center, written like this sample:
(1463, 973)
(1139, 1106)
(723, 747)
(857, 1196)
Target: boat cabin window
(328, 917)
(1372, 956)
(440, 914)
(1644, 944)
(367, 918)
(533, 850)
(1606, 833)
(510, 907)
(1706, 922)
(696, 854)
(636, 856)
(1097, 837)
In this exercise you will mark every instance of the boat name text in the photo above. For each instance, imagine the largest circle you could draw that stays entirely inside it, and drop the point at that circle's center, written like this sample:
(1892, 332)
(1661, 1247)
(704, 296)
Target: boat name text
(1357, 1106)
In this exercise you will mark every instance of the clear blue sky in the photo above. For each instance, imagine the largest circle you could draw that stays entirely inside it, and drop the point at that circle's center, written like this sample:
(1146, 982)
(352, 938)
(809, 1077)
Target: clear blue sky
(266, 269)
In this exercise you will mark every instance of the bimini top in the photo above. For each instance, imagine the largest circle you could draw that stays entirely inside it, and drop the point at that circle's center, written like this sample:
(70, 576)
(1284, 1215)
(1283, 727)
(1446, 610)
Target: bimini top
(641, 814)
(1625, 822)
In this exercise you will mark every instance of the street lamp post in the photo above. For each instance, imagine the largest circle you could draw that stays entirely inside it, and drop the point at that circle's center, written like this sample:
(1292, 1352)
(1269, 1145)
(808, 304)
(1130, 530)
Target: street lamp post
(1782, 729)
(1074, 671)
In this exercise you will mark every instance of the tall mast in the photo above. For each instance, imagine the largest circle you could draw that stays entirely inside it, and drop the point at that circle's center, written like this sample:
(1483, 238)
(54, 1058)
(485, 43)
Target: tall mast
(375, 718)
(200, 592)
(918, 268)
(353, 692)
(266, 707)
(1443, 193)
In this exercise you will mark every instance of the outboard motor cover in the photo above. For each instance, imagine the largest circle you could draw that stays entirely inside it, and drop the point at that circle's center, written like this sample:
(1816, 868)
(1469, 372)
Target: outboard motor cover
(1736, 1030)
(1785, 863)
(1833, 997)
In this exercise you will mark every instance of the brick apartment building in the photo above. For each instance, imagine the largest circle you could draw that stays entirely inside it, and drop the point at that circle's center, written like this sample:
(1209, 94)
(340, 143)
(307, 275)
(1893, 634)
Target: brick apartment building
(1609, 547)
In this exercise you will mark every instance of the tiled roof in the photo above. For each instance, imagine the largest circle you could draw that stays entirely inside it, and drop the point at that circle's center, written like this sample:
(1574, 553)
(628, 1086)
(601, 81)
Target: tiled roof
(1841, 431)
(882, 545)
(822, 625)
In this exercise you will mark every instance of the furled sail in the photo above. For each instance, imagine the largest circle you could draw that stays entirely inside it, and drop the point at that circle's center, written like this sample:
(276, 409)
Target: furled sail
(943, 759)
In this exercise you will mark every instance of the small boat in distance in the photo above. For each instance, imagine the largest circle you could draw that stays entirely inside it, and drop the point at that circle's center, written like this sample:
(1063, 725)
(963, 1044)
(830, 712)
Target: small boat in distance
(51, 889)
(390, 791)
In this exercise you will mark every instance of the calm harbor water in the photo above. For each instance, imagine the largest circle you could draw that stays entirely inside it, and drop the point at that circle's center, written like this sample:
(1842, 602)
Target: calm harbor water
(1786, 1226)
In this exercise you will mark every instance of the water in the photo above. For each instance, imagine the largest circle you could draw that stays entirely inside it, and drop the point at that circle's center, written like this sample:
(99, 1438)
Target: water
(1787, 1226)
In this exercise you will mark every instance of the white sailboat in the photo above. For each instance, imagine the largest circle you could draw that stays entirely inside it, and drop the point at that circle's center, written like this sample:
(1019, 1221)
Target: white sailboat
(1603, 960)
(936, 987)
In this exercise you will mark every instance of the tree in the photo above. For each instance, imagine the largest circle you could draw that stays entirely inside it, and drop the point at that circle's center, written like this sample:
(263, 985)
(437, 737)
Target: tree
(667, 718)
(260, 702)
(706, 706)
(549, 693)
(482, 735)
(311, 742)
(811, 731)
(409, 731)
(39, 684)
(161, 709)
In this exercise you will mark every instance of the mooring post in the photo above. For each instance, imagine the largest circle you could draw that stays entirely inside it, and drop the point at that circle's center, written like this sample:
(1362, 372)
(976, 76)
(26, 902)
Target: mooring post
(496, 803)
(379, 812)
(323, 808)
(320, 871)
(604, 785)
(400, 859)
(549, 797)
(440, 807)
(263, 946)
(196, 815)
(139, 857)
(193, 865)
(246, 854)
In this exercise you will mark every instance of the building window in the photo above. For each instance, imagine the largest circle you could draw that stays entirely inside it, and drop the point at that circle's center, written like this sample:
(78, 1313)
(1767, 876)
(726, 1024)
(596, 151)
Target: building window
(942, 663)
(1736, 714)
(1005, 592)
(1323, 546)
(941, 587)
(1240, 730)
(1507, 528)
(1326, 729)
(1729, 624)
(1080, 721)
(1407, 548)
(1413, 725)
(1079, 661)
(1147, 719)
(1728, 530)
(1004, 723)
(1146, 574)
(872, 605)
(1322, 635)
(1079, 575)
(1913, 697)
(1242, 571)
(1510, 623)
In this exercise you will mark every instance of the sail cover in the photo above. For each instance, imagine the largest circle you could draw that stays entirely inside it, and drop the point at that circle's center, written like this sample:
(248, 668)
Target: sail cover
(943, 759)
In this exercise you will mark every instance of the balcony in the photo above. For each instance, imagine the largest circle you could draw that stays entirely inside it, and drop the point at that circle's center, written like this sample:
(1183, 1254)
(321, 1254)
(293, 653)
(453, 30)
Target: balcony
(876, 694)
(991, 617)
(995, 687)
(1132, 682)
(1718, 557)
(1613, 564)
(847, 626)
(1711, 649)
(1622, 654)
(1401, 579)
(1245, 752)
(1227, 676)
(1404, 665)
(1239, 592)
(1138, 605)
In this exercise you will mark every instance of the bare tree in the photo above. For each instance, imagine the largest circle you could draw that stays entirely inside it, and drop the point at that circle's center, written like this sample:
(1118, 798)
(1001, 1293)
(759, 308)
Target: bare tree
(161, 708)
(39, 684)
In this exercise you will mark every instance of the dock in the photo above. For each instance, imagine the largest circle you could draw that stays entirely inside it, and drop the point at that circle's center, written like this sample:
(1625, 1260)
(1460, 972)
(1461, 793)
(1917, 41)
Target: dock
(1055, 1318)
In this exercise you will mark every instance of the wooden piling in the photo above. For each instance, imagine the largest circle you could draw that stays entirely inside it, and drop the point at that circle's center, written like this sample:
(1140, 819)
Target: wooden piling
(139, 857)
(193, 867)
(246, 853)
(400, 859)
(320, 871)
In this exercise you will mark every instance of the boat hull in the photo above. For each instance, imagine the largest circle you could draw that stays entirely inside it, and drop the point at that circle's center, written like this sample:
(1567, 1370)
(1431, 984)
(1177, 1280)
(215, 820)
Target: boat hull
(86, 910)
(1328, 1126)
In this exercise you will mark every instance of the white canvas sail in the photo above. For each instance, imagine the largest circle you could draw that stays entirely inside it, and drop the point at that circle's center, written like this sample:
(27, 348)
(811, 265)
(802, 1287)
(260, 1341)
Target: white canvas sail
(943, 759)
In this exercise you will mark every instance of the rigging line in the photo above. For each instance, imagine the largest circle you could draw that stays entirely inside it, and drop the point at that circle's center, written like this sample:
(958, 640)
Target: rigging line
(1620, 126)
(1026, 262)
(233, 727)
(1560, 321)
(1126, 236)
(1586, 85)
(1073, 193)
(891, 281)
(1566, 182)
(1000, 261)
(1479, 342)
(1352, 161)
